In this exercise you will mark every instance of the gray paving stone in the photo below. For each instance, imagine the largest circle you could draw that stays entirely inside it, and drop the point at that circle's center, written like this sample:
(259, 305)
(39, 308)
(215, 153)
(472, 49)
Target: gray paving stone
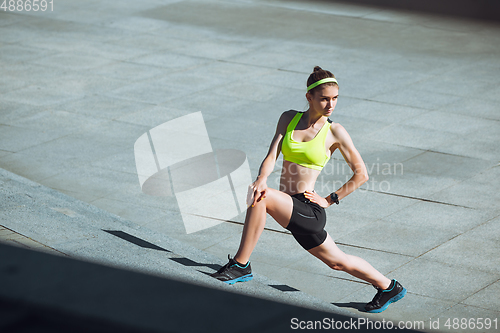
(142, 24)
(413, 137)
(19, 53)
(412, 96)
(372, 204)
(267, 58)
(190, 79)
(214, 50)
(144, 93)
(56, 43)
(470, 147)
(342, 222)
(449, 122)
(9, 18)
(437, 280)
(361, 84)
(72, 61)
(443, 217)
(89, 85)
(231, 129)
(485, 298)
(84, 179)
(11, 111)
(477, 192)
(129, 71)
(395, 237)
(41, 95)
(4, 153)
(457, 167)
(108, 50)
(376, 111)
(480, 244)
(450, 83)
(75, 147)
(149, 42)
(493, 93)
(11, 82)
(22, 164)
(53, 120)
(359, 127)
(100, 106)
(172, 61)
(15, 138)
(85, 197)
(381, 157)
(133, 212)
(11, 34)
(115, 133)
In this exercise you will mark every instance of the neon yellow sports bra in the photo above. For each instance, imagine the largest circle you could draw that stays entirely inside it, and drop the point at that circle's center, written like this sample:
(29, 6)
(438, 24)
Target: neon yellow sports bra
(310, 154)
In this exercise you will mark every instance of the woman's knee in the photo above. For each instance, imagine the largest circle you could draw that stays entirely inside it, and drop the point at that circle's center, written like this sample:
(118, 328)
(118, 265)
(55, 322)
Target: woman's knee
(337, 266)
(340, 264)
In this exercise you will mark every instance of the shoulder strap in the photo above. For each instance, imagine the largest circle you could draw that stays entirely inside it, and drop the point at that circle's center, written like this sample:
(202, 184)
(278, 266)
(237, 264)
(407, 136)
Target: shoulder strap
(293, 123)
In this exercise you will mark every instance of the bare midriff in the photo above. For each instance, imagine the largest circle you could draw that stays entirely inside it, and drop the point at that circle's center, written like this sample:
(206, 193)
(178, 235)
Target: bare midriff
(297, 178)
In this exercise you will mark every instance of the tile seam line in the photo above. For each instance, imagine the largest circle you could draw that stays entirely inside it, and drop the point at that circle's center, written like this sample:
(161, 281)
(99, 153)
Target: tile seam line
(461, 302)
(420, 199)
(439, 245)
(288, 233)
(44, 245)
(358, 17)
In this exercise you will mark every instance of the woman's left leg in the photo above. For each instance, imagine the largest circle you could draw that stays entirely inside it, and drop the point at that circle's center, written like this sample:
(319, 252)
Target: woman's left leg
(330, 254)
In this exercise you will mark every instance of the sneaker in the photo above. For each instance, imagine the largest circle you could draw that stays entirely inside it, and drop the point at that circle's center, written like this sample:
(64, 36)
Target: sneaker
(233, 272)
(385, 297)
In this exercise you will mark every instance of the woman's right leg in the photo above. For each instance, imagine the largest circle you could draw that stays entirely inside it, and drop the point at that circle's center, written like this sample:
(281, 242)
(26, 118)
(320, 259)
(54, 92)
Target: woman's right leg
(279, 205)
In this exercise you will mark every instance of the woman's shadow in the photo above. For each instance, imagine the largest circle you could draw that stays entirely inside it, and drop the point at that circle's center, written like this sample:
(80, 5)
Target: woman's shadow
(354, 305)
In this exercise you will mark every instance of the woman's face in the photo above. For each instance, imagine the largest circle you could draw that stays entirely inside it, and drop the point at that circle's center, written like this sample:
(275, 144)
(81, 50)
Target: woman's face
(324, 99)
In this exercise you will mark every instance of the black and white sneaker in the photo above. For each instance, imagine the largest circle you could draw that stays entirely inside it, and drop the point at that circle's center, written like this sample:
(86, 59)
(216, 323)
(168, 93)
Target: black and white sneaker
(233, 272)
(385, 297)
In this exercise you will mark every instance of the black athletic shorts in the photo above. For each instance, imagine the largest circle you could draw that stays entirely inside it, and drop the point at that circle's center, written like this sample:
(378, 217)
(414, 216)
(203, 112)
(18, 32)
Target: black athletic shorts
(307, 223)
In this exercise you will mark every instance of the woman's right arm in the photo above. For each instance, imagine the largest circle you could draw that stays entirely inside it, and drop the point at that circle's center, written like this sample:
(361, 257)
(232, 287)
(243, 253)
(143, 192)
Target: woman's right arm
(260, 184)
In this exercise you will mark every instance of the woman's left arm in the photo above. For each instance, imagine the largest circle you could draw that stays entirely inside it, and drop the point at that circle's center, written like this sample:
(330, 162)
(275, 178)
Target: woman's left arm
(351, 155)
(353, 159)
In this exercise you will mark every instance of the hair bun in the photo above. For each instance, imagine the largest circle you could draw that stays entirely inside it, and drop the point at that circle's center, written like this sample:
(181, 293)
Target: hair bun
(317, 68)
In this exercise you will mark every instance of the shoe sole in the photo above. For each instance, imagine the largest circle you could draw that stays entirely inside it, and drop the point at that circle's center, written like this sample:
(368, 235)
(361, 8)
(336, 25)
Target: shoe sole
(396, 298)
(243, 278)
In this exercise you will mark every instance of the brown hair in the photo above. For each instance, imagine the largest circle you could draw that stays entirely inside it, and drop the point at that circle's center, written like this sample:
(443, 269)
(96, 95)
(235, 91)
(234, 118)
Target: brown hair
(319, 74)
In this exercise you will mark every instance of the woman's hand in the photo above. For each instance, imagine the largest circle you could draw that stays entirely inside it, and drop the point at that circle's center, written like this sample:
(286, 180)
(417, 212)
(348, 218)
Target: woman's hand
(316, 198)
(257, 191)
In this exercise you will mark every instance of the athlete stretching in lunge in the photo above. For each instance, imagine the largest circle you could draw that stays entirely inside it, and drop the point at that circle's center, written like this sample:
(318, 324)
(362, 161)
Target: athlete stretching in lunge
(307, 140)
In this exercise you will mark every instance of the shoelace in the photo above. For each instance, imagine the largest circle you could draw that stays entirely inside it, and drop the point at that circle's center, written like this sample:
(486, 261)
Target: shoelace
(377, 296)
(223, 268)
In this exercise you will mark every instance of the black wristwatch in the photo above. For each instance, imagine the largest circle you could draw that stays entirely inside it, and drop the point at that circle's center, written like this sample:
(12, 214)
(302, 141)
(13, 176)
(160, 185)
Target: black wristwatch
(334, 197)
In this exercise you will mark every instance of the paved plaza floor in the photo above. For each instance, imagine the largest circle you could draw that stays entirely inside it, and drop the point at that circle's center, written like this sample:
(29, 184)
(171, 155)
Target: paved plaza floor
(81, 82)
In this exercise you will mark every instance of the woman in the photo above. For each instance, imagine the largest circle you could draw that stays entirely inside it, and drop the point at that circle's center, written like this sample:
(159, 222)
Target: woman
(307, 140)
